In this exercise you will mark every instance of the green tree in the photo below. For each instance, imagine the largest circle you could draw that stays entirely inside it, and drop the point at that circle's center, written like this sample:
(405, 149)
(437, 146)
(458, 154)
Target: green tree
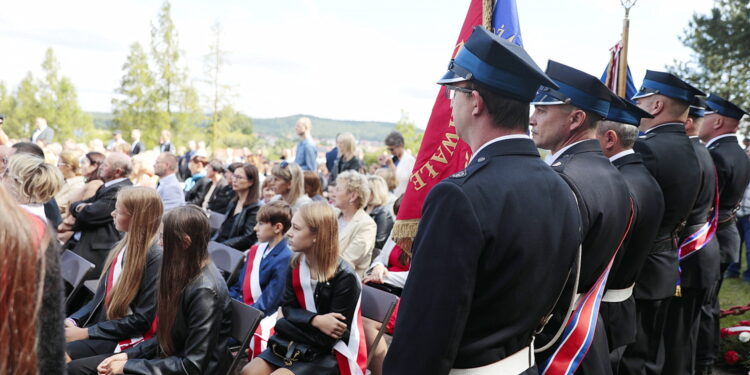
(136, 106)
(721, 59)
(412, 135)
(219, 104)
(20, 122)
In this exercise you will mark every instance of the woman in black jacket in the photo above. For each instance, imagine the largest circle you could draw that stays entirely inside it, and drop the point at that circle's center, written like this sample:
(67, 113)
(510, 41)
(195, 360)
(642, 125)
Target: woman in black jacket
(238, 229)
(193, 308)
(123, 309)
(379, 212)
(309, 339)
(346, 161)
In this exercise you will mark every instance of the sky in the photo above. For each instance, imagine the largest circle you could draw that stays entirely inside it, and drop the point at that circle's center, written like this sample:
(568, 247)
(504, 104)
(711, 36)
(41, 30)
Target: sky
(341, 59)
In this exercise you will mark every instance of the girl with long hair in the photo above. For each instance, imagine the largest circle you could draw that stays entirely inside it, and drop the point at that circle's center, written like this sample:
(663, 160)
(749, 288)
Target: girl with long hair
(193, 307)
(31, 338)
(289, 184)
(122, 312)
(238, 229)
(321, 321)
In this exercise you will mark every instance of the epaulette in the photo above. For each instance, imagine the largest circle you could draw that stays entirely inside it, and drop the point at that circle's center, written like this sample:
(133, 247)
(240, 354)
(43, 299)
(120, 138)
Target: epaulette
(471, 169)
(560, 163)
(647, 136)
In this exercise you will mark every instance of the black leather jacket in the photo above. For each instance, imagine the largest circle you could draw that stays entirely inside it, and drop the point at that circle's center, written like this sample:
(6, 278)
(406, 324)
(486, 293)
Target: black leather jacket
(94, 316)
(238, 231)
(198, 192)
(200, 333)
(340, 294)
(384, 222)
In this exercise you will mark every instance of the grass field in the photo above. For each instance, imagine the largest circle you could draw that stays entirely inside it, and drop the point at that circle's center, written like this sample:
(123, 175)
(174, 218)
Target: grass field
(734, 292)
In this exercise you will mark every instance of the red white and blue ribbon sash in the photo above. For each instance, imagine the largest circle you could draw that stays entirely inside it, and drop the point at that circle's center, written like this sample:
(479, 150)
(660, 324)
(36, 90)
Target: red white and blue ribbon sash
(580, 328)
(705, 234)
(351, 356)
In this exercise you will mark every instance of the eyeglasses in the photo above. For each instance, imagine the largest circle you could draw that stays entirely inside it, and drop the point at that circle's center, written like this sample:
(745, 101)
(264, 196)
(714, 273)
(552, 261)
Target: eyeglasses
(238, 177)
(450, 91)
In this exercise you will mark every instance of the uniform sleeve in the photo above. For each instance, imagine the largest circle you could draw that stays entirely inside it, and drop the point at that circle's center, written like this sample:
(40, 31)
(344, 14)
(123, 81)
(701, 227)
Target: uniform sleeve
(204, 318)
(649, 159)
(438, 293)
(271, 296)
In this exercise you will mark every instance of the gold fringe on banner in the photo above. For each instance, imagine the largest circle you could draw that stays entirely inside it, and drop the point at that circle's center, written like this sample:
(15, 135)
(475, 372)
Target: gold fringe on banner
(487, 14)
(403, 233)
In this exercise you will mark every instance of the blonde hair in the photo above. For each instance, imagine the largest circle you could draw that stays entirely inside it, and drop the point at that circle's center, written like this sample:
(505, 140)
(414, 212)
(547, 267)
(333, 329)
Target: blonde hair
(145, 208)
(322, 221)
(378, 189)
(388, 176)
(72, 160)
(349, 142)
(292, 174)
(33, 179)
(355, 182)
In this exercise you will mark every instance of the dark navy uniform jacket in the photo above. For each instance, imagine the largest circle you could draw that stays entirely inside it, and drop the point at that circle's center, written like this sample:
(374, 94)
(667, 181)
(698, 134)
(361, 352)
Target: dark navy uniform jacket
(493, 250)
(701, 269)
(648, 205)
(668, 154)
(733, 169)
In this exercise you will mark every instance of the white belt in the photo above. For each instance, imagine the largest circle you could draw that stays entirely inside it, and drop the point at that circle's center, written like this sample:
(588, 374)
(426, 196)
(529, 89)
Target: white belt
(517, 363)
(618, 295)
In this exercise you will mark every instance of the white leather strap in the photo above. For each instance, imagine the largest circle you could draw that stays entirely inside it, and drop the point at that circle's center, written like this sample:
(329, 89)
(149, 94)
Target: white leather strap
(516, 363)
(618, 295)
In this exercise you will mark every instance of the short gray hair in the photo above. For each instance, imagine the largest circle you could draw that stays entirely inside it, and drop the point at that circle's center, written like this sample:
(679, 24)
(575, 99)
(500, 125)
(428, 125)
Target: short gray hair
(625, 132)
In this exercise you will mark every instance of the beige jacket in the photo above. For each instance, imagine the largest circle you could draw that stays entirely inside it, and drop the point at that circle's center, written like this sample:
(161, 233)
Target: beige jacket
(357, 240)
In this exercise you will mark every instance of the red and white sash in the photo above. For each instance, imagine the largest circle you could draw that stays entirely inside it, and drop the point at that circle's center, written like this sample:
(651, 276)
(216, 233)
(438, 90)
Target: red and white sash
(580, 328)
(251, 292)
(114, 274)
(351, 356)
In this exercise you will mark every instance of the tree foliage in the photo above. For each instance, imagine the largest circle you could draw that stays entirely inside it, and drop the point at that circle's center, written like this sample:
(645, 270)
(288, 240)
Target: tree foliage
(720, 62)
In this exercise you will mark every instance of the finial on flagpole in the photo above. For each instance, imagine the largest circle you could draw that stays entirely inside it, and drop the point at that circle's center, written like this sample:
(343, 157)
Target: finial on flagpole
(623, 68)
(627, 4)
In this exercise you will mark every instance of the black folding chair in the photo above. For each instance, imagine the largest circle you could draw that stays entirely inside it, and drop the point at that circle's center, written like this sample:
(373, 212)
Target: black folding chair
(74, 268)
(226, 259)
(215, 219)
(91, 285)
(245, 320)
(377, 305)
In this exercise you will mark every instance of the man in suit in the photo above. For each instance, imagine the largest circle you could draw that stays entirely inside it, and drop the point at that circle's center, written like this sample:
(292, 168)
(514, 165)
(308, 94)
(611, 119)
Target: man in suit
(477, 250)
(719, 132)
(669, 156)
(42, 133)
(95, 233)
(165, 142)
(136, 147)
(699, 270)
(564, 121)
(616, 137)
(168, 188)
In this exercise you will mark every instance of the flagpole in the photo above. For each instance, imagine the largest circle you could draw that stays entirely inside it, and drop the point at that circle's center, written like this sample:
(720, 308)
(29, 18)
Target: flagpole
(623, 68)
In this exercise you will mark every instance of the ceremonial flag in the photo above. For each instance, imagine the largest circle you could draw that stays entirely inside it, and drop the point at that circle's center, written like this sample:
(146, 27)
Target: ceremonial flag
(611, 75)
(442, 153)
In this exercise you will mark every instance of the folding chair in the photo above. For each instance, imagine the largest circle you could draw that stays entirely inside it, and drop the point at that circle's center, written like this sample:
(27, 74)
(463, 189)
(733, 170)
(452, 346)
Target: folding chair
(91, 285)
(74, 268)
(215, 219)
(226, 259)
(378, 306)
(245, 320)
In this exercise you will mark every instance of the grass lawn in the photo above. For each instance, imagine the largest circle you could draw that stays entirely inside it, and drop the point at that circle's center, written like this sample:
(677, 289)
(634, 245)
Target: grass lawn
(734, 292)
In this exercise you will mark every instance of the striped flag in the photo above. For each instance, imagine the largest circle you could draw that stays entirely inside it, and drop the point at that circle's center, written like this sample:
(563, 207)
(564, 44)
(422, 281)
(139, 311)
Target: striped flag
(611, 76)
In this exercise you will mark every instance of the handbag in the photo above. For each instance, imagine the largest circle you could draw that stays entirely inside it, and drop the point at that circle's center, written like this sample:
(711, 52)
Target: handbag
(290, 351)
(392, 289)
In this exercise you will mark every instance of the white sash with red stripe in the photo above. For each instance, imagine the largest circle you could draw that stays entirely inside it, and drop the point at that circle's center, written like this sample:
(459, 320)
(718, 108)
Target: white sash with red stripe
(251, 290)
(580, 328)
(351, 356)
(114, 275)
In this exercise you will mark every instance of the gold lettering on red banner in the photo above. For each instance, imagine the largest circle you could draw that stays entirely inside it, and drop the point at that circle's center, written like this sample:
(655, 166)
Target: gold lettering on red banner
(447, 146)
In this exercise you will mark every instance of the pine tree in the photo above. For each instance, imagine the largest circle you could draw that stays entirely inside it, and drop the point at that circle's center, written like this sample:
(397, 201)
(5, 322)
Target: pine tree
(136, 106)
(721, 59)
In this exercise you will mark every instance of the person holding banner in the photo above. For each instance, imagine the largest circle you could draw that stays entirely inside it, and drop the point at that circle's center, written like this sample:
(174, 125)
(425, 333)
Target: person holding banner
(698, 259)
(477, 245)
(565, 121)
(669, 156)
(124, 305)
(719, 132)
(616, 137)
(321, 329)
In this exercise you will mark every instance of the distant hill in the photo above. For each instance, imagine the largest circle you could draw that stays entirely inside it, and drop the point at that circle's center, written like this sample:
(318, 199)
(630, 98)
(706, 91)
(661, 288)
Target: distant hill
(284, 126)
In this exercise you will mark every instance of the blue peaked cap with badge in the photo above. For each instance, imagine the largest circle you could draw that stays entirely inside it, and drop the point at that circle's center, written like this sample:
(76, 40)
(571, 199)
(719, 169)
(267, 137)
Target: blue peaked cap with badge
(667, 84)
(624, 111)
(724, 107)
(576, 88)
(698, 107)
(498, 64)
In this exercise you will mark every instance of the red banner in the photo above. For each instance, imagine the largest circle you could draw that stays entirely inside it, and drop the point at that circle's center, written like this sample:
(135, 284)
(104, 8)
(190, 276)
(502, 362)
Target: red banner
(441, 153)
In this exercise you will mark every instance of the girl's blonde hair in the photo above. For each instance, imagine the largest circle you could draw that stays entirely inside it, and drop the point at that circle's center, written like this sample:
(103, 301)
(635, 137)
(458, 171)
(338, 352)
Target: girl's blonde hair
(145, 208)
(348, 144)
(292, 174)
(355, 182)
(378, 189)
(32, 178)
(322, 221)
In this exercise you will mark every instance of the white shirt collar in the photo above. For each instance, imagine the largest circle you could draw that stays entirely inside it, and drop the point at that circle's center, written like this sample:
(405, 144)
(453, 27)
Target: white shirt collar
(552, 158)
(36, 210)
(621, 154)
(712, 140)
(498, 139)
(664, 124)
(110, 183)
